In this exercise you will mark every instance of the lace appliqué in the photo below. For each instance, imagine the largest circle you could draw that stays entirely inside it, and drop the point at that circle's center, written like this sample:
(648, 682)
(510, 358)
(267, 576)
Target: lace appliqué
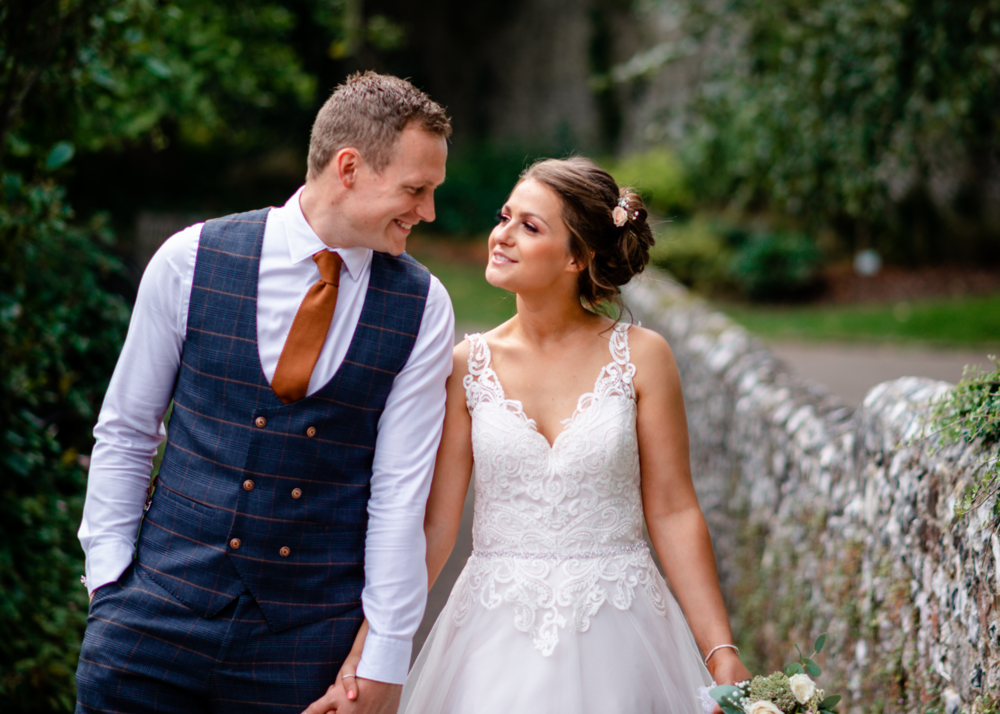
(552, 503)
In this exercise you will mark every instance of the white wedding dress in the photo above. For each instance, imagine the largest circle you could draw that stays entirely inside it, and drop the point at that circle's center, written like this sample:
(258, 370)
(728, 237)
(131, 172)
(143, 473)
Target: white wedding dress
(560, 608)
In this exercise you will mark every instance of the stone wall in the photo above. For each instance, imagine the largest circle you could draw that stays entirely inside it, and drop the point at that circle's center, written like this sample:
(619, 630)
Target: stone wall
(830, 519)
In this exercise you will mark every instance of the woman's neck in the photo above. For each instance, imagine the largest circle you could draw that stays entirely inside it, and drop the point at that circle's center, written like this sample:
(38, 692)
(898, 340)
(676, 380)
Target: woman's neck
(544, 319)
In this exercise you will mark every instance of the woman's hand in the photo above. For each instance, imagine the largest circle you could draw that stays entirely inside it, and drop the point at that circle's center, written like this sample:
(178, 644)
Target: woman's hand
(347, 676)
(726, 668)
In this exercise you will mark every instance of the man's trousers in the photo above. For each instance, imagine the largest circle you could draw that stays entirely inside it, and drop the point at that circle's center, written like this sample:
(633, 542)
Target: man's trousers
(144, 651)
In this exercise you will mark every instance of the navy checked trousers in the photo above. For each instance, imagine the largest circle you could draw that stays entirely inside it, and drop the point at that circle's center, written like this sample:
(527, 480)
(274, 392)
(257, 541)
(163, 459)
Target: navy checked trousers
(144, 651)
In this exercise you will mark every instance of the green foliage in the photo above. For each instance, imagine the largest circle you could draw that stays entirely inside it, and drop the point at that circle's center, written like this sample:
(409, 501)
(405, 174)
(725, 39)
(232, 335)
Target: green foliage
(659, 177)
(480, 177)
(845, 112)
(695, 253)
(771, 265)
(101, 73)
(970, 413)
(759, 264)
(60, 330)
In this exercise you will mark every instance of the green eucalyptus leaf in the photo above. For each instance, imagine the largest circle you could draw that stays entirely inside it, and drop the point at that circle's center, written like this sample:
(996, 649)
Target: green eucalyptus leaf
(793, 668)
(724, 691)
(820, 641)
(830, 702)
(60, 155)
(812, 668)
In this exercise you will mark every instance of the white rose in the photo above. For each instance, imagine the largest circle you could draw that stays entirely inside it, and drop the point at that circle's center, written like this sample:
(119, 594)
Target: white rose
(802, 687)
(763, 707)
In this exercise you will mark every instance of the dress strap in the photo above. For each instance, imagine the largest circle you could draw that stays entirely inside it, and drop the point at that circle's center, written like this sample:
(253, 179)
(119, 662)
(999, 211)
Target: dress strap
(478, 381)
(619, 344)
(479, 354)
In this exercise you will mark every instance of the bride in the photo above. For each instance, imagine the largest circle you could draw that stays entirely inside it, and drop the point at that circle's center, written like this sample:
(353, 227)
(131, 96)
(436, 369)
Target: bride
(560, 607)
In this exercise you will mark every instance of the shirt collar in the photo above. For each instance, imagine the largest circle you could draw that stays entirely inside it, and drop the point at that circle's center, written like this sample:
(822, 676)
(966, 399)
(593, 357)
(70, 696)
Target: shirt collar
(303, 242)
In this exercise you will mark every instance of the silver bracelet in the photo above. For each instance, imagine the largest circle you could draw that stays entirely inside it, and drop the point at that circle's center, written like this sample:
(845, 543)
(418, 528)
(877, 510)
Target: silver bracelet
(719, 647)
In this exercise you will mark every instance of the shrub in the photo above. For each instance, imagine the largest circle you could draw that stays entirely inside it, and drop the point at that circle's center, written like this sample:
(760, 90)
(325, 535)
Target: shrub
(694, 253)
(60, 331)
(776, 265)
(660, 177)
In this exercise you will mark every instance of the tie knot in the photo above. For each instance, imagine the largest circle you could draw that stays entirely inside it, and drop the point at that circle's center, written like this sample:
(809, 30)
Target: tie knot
(329, 266)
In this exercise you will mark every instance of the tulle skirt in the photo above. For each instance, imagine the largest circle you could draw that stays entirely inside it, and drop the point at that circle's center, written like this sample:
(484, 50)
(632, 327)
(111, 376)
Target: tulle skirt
(632, 661)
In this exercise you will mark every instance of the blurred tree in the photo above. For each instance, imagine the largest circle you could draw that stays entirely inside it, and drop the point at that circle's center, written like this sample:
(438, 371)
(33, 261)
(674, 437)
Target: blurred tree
(77, 76)
(877, 118)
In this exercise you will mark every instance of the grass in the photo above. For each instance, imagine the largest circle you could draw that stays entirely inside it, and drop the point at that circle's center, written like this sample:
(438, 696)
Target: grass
(477, 303)
(940, 322)
(944, 322)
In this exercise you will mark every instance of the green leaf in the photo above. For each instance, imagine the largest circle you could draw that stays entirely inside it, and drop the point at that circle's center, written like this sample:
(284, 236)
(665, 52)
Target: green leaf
(158, 67)
(793, 668)
(830, 702)
(731, 710)
(812, 668)
(60, 155)
(724, 691)
(820, 641)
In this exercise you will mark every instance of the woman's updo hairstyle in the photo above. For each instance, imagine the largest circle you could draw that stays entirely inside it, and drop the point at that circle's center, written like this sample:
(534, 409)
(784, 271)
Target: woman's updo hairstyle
(612, 253)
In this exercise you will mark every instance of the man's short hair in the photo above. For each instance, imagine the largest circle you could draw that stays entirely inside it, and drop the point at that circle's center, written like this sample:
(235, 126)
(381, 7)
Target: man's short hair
(368, 112)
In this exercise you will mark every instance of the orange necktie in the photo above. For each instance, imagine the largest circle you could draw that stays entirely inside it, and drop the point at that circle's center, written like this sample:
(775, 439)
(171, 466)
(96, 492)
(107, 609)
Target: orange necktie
(308, 333)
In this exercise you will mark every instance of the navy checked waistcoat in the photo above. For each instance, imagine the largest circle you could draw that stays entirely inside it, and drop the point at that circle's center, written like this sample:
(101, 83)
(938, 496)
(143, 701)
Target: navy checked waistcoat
(254, 494)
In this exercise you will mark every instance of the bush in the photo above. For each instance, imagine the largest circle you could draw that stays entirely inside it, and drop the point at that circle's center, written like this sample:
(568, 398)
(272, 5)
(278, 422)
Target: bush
(659, 177)
(772, 266)
(60, 332)
(480, 177)
(694, 253)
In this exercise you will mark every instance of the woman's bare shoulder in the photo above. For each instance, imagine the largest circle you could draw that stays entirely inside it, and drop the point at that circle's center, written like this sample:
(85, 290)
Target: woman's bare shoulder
(647, 345)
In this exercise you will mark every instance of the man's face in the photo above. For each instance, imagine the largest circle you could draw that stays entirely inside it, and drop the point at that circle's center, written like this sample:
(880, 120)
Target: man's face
(386, 206)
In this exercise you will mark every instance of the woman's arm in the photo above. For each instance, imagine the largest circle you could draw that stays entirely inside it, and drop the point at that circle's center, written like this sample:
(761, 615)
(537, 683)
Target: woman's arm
(452, 471)
(676, 525)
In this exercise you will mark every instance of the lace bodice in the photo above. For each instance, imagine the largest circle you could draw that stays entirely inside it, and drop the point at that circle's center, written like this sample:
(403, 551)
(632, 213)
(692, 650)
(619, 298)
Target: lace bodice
(557, 529)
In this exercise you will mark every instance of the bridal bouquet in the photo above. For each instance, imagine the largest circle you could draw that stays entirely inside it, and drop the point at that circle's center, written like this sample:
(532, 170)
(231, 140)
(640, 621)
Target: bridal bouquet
(790, 692)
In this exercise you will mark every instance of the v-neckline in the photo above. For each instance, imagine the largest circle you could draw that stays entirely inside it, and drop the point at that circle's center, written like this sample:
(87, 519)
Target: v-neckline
(530, 422)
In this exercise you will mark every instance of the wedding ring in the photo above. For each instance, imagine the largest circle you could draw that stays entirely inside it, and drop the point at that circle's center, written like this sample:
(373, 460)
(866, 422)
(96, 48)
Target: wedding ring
(345, 676)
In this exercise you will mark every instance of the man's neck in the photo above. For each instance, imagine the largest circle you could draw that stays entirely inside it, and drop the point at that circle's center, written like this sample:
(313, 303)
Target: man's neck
(319, 204)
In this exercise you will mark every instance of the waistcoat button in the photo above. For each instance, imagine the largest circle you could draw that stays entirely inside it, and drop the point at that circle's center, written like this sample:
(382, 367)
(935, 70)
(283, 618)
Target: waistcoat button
(296, 493)
(235, 543)
(285, 551)
(260, 421)
(248, 485)
(311, 432)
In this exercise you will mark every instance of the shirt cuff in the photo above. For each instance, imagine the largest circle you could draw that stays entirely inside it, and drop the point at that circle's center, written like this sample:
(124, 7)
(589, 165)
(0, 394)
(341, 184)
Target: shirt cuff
(105, 564)
(385, 659)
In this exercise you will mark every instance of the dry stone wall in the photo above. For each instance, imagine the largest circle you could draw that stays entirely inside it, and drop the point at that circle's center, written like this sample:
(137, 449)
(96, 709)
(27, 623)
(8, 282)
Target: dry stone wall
(830, 519)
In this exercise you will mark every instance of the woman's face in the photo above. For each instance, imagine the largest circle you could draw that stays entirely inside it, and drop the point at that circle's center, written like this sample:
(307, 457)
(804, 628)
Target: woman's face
(529, 247)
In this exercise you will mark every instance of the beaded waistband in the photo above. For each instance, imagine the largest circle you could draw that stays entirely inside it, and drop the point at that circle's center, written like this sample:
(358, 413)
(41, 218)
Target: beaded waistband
(610, 550)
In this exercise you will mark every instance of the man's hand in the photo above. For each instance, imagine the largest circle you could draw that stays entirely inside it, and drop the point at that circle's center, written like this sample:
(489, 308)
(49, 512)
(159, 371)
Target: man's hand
(370, 697)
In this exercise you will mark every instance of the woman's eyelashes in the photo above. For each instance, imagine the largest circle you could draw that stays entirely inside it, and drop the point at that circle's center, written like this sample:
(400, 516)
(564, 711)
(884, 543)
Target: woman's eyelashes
(503, 217)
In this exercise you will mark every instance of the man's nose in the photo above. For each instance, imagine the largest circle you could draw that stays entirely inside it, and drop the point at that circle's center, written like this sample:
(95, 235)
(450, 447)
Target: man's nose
(425, 209)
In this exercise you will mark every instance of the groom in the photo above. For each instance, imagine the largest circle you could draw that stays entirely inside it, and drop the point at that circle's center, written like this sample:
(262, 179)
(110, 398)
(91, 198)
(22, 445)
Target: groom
(305, 355)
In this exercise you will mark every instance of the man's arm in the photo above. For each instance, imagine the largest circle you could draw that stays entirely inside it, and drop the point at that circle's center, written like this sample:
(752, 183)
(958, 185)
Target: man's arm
(130, 426)
(395, 591)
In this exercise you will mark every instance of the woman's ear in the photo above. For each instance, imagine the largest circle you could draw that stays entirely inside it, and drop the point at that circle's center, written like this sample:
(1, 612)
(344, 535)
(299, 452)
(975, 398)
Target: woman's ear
(578, 265)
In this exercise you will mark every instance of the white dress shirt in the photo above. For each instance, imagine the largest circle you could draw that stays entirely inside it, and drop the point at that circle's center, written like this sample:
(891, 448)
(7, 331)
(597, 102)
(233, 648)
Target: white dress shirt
(130, 427)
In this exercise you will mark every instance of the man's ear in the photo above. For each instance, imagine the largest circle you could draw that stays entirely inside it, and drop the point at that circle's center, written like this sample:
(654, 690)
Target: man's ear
(347, 162)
